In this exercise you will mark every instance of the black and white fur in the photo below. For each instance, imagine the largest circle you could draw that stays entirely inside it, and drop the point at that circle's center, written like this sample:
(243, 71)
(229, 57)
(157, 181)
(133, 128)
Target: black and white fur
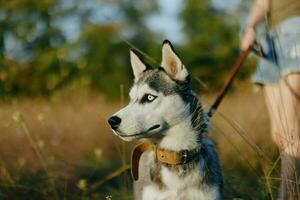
(164, 109)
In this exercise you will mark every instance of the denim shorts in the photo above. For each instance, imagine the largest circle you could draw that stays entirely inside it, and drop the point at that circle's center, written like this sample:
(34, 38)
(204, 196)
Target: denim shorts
(286, 38)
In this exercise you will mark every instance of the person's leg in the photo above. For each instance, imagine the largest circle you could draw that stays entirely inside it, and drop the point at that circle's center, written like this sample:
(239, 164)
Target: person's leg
(283, 103)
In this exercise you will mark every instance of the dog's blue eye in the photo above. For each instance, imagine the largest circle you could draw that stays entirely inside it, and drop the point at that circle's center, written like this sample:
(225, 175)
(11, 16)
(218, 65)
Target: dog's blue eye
(147, 98)
(150, 97)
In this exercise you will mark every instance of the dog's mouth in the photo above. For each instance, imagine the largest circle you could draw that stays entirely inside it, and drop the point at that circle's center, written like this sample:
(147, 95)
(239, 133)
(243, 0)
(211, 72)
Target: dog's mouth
(154, 127)
(145, 134)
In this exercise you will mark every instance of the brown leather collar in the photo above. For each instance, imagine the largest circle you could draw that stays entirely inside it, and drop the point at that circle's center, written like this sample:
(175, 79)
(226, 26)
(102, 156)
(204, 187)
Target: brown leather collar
(162, 155)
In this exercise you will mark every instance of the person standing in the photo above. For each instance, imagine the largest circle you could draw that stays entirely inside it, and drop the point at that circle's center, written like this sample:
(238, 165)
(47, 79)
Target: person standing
(279, 76)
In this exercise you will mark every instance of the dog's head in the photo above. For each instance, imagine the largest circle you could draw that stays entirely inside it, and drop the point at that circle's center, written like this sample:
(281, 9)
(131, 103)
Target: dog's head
(157, 98)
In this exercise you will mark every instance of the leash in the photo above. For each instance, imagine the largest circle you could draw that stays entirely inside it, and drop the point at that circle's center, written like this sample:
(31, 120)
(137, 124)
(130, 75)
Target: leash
(142, 147)
(232, 74)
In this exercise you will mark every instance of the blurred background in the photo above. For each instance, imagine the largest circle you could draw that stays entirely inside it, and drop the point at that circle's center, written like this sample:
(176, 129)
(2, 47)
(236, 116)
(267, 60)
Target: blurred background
(64, 68)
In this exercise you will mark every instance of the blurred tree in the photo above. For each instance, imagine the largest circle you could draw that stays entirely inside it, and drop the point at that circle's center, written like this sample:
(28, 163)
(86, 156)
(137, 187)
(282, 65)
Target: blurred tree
(46, 45)
(1, 45)
(212, 41)
(105, 44)
(46, 59)
(35, 67)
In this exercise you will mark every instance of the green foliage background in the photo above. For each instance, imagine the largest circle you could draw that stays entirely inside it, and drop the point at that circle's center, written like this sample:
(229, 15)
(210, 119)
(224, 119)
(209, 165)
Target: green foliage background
(46, 60)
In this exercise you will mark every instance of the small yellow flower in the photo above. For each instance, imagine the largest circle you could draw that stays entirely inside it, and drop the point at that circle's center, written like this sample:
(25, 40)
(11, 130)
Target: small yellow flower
(41, 144)
(17, 117)
(40, 117)
(109, 197)
(82, 184)
(98, 153)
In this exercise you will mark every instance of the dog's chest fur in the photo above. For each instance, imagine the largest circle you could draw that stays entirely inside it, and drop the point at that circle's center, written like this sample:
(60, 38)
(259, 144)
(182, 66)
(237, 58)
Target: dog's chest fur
(198, 179)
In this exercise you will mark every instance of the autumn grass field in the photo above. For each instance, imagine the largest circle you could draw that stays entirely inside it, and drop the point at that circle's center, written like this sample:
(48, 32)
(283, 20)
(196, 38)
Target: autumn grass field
(61, 147)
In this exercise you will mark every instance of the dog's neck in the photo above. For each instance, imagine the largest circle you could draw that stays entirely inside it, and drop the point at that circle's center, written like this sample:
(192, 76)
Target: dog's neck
(180, 137)
(186, 135)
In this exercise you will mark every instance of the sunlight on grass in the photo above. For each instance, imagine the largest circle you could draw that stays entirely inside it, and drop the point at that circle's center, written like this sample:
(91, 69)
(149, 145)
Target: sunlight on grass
(67, 146)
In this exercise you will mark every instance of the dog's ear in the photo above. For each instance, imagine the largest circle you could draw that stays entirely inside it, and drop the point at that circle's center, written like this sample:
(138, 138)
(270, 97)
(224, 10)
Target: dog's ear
(172, 63)
(137, 65)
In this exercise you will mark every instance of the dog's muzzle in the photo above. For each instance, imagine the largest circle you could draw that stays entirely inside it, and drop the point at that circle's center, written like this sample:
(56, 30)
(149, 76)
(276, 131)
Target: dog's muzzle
(144, 134)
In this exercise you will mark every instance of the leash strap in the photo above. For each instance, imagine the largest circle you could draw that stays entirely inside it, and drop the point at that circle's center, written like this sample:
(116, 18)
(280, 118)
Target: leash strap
(136, 155)
(233, 72)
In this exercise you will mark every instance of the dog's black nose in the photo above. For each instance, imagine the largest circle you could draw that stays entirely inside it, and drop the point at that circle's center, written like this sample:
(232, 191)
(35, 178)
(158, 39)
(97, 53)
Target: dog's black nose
(114, 122)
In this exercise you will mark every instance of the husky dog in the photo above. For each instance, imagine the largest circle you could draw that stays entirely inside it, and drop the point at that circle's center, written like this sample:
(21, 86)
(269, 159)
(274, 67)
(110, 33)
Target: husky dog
(165, 111)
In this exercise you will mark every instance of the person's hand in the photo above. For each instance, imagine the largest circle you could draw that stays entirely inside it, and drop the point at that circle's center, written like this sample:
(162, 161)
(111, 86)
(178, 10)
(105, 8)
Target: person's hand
(248, 38)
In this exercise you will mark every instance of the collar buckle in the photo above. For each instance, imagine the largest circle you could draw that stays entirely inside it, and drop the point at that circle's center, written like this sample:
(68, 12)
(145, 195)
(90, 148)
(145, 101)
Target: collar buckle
(184, 154)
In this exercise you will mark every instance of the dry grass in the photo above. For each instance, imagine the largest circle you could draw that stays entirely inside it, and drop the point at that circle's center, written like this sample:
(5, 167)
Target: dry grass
(72, 134)
(241, 132)
(64, 129)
